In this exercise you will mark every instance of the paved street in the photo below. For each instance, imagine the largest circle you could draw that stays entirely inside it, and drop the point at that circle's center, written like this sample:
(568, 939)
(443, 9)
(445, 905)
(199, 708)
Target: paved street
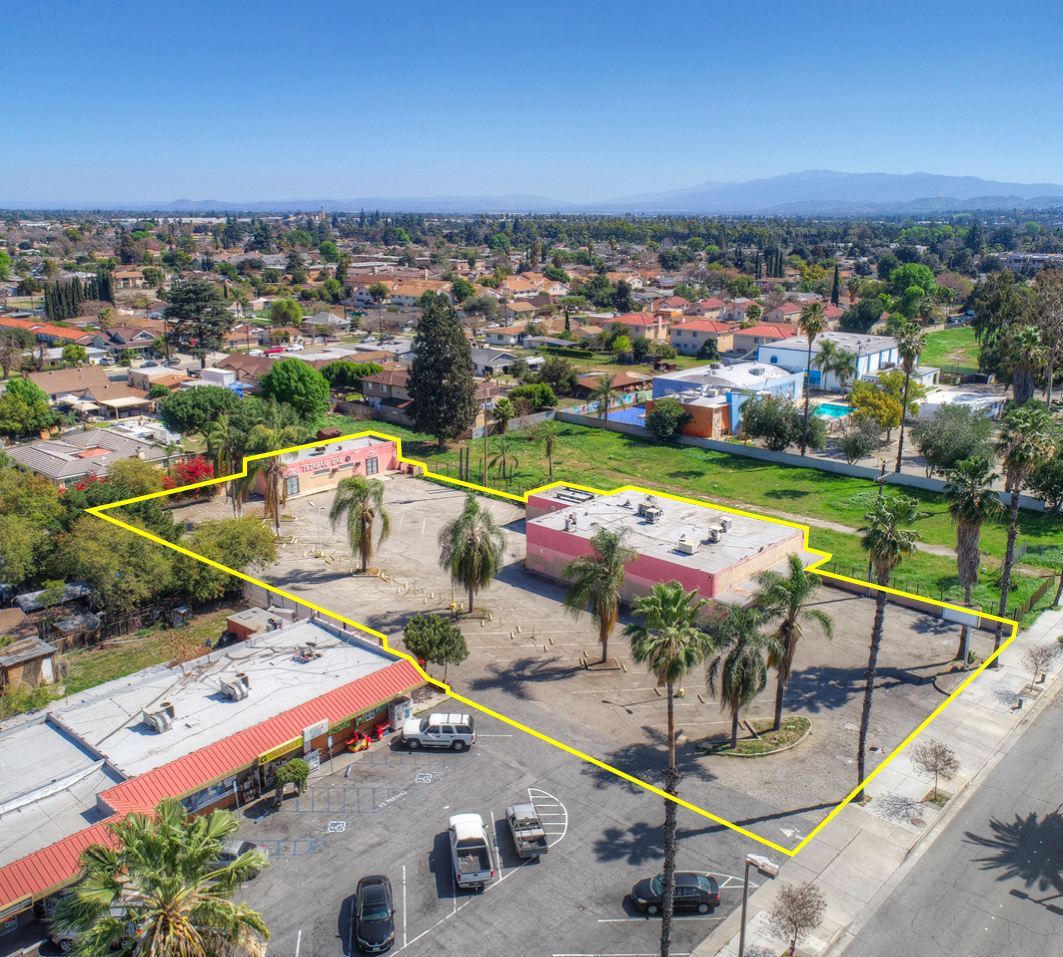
(992, 884)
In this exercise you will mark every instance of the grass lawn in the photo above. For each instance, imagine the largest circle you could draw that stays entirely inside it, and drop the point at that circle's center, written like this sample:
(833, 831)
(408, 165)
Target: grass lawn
(601, 459)
(792, 729)
(952, 350)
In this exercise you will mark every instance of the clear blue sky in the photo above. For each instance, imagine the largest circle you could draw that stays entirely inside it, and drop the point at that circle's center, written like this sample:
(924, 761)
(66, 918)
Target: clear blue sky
(114, 101)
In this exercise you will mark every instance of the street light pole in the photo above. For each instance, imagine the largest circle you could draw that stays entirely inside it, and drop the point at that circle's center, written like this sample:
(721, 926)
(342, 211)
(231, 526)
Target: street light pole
(319, 509)
(764, 866)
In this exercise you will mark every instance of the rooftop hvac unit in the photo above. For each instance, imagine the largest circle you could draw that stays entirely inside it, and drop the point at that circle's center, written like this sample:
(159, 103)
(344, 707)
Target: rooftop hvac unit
(158, 721)
(688, 547)
(236, 690)
(726, 523)
(652, 513)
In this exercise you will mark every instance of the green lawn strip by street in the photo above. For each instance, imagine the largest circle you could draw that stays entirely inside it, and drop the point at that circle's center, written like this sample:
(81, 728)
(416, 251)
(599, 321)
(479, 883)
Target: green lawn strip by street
(597, 458)
(952, 350)
(792, 730)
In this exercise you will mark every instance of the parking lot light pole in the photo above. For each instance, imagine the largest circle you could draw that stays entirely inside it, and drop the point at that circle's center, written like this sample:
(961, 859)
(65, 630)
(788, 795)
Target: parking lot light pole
(319, 509)
(766, 867)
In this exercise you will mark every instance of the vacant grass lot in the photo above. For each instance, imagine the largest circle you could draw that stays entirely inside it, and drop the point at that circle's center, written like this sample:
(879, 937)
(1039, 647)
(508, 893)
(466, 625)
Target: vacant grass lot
(601, 459)
(952, 350)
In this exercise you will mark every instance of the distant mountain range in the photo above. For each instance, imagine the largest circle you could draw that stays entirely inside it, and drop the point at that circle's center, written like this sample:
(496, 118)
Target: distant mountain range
(813, 192)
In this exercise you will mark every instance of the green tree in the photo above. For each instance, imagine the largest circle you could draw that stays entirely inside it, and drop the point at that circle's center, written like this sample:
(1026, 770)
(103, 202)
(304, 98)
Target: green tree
(785, 600)
(298, 384)
(911, 275)
(836, 287)
(546, 433)
(159, 873)
(434, 638)
(910, 344)
(971, 500)
(886, 539)
(1023, 353)
(776, 420)
(812, 322)
(709, 351)
(666, 418)
(503, 413)
(1045, 311)
(472, 548)
(193, 410)
(462, 289)
(739, 671)
(286, 312)
(228, 443)
(441, 384)
(558, 373)
(74, 355)
(596, 581)
(1026, 442)
(669, 641)
(197, 318)
(361, 501)
(951, 434)
(296, 771)
(862, 316)
(241, 544)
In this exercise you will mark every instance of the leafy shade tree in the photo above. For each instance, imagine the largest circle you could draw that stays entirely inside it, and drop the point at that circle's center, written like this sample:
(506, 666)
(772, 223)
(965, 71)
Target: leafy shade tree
(194, 410)
(666, 418)
(160, 873)
(812, 322)
(739, 671)
(952, 434)
(785, 600)
(197, 318)
(602, 392)
(286, 312)
(862, 316)
(434, 638)
(709, 351)
(1026, 442)
(597, 579)
(1046, 482)
(910, 344)
(74, 355)
(441, 383)
(775, 419)
(361, 502)
(858, 438)
(241, 544)
(472, 548)
(299, 385)
(296, 771)
(888, 540)
(24, 408)
(668, 640)
(870, 403)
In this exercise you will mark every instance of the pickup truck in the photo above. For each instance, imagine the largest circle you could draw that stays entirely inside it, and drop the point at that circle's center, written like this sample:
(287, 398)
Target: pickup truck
(470, 852)
(527, 830)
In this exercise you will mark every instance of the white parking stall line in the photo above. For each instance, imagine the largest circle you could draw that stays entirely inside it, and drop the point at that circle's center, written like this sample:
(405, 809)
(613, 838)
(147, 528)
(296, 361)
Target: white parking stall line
(298, 941)
(403, 905)
(544, 799)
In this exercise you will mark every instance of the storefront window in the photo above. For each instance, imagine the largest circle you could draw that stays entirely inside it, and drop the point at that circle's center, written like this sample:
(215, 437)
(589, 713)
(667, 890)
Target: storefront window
(292, 483)
(371, 466)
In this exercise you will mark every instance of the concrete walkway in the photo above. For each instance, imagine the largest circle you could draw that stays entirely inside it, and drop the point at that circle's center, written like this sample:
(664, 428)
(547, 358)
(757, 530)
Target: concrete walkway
(865, 852)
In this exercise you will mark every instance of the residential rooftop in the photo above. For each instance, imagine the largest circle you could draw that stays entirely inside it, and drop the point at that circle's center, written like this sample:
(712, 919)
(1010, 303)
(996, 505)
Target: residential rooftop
(855, 342)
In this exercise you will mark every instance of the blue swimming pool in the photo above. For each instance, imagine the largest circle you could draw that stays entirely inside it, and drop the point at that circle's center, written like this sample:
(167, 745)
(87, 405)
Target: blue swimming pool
(831, 411)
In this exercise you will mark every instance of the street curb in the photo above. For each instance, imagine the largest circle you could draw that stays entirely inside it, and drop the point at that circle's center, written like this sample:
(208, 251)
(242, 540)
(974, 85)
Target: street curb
(924, 842)
(762, 754)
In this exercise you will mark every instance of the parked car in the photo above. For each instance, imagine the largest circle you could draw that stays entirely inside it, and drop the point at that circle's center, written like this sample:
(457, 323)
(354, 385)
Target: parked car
(693, 891)
(454, 731)
(374, 914)
(470, 852)
(235, 848)
(256, 352)
(274, 350)
(527, 830)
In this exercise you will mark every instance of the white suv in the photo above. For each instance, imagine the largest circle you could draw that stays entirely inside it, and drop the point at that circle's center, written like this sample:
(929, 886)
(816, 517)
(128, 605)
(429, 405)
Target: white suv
(454, 731)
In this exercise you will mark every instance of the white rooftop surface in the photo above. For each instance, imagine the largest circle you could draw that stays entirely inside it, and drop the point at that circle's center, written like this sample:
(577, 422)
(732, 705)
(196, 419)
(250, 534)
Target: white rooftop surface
(109, 717)
(747, 536)
(48, 787)
(740, 375)
(973, 399)
(860, 343)
(332, 447)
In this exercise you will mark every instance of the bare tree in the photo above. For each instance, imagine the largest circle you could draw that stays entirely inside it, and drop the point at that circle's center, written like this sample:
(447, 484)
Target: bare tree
(937, 759)
(797, 911)
(11, 350)
(1036, 660)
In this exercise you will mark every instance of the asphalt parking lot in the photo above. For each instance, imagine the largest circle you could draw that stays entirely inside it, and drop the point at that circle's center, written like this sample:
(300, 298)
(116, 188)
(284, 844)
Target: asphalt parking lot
(388, 815)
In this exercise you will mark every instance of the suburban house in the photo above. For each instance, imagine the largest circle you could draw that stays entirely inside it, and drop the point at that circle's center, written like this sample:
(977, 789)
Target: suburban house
(361, 288)
(689, 337)
(633, 279)
(128, 277)
(248, 369)
(642, 324)
(44, 331)
(387, 389)
(127, 338)
(505, 336)
(519, 309)
(671, 306)
(406, 294)
(736, 310)
(514, 288)
(707, 308)
(624, 383)
(746, 340)
(87, 389)
(874, 354)
(489, 362)
(326, 323)
(786, 312)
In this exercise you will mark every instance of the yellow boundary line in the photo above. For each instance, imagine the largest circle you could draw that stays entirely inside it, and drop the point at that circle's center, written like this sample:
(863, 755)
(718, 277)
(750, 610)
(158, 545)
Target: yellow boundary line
(99, 510)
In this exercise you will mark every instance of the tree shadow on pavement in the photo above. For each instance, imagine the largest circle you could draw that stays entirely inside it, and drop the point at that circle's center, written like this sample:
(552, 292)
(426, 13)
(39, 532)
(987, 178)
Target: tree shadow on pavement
(515, 676)
(822, 688)
(647, 760)
(1026, 849)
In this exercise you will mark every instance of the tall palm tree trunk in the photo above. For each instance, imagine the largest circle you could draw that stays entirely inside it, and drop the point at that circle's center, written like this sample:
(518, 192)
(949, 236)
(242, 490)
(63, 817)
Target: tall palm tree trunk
(869, 687)
(734, 729)
(550, 456)
(780, 684)
(603, 637)
(808, 384)
(965, 632)
(671, 784)
(904, 412)
(1009, 558)
(471, 593)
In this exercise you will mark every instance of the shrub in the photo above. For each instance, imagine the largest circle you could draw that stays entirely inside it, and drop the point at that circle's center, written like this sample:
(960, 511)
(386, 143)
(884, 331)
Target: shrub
(666, 418)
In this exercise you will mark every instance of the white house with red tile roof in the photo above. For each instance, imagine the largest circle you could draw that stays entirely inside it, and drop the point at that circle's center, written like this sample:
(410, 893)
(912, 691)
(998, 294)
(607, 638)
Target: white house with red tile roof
(707, 308)
(763, 334)
(654, 328)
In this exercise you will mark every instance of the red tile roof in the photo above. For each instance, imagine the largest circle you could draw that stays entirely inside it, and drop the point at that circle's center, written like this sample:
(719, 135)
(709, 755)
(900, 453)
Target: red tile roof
(705, 325)
(636, 319)
(44, 328)
(46, 869)
(779, 332)
(711, 304)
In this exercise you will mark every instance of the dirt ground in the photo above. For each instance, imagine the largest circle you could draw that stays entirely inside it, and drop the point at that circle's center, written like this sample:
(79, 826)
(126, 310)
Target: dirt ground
(525, 661)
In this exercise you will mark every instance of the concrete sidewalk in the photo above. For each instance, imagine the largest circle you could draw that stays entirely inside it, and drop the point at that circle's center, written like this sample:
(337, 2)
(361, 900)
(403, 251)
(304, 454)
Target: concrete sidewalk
(864, 852)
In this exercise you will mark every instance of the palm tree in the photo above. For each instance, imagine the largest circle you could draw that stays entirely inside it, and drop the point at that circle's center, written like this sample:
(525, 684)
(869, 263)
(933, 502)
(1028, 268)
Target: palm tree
(472, 547)
(888, 542)
(824, 359)
(266, 438)
(505, 444)
(361, 500)
(503, 413)
(227, 445)
(968, 490)
(547, 432)
(1025, 443)
(602, 393)
(1028, 356)
(670, 642)
(812, 322)
(597, 579)
(158, 890)
(739, 668)
(784, 599)
(911, 341)
(844, 367)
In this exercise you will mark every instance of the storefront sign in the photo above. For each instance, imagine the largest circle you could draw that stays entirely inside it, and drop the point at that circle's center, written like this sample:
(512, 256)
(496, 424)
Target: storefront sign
(8, 925)
(315, 730)
(279, 751)
(334, 461)
(369, 715)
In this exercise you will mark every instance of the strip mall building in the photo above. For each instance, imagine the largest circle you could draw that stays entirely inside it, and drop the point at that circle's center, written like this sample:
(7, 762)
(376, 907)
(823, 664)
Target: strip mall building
(309, 470)
(210, 732)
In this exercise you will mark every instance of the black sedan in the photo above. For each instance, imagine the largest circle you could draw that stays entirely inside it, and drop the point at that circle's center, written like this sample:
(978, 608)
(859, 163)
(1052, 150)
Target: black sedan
(697, 892)
(374, 914)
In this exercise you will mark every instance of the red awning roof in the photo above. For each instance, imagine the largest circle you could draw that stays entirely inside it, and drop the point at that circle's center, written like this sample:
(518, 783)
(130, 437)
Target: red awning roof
(44, 870)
